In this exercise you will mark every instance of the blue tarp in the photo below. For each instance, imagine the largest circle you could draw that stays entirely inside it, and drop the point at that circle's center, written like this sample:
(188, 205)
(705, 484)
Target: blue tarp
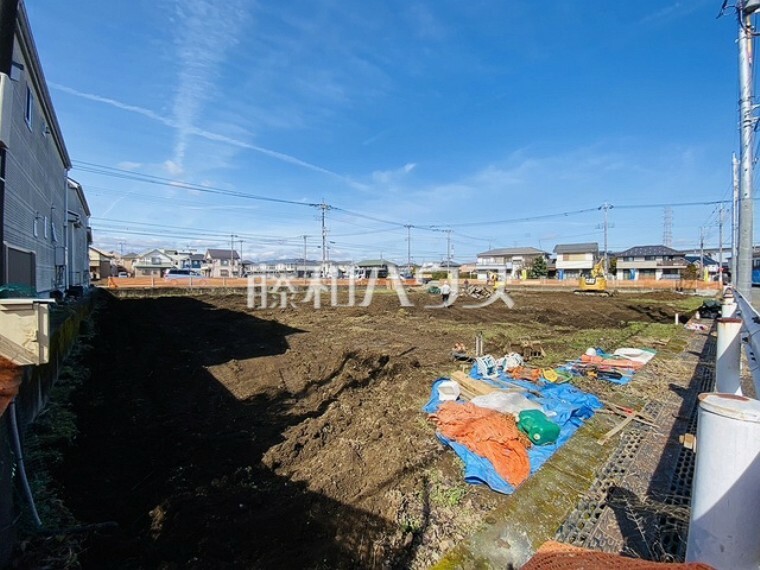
(570, 405)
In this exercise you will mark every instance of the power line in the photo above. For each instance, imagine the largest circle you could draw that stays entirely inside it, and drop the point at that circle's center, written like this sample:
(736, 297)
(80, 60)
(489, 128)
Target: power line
(158, 180)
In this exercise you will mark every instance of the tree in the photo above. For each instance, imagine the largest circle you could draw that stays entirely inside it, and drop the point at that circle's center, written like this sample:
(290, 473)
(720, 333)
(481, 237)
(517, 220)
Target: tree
(613, 265)
(690, 273)
(538, 268)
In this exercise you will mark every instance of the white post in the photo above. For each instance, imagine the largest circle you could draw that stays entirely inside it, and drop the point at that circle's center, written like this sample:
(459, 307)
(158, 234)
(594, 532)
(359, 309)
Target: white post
(728, 308)
(728, 356)
(724, 510)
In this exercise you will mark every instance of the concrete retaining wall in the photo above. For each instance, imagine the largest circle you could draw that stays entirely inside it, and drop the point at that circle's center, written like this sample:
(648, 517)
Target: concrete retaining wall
(32, 397)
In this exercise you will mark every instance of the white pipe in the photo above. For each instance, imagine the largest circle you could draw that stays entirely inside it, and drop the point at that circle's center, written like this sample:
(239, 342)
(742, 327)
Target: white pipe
(728, 308)
(725, 517)
(728, 356)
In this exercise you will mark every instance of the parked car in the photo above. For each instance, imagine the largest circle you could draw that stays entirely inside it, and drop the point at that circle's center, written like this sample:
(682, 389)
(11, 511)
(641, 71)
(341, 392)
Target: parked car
(122, 274)
(173, 274)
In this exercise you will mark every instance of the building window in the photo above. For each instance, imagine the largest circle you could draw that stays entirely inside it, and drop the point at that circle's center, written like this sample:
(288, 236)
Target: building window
(224, 273)
(225, 262)
(155, 261)
(29, 106)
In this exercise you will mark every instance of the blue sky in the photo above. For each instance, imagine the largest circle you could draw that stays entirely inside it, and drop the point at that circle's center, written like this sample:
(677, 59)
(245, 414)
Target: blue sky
(414, 112)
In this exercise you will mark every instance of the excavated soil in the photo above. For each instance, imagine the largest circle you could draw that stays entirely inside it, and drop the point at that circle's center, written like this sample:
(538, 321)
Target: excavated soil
(220, 437)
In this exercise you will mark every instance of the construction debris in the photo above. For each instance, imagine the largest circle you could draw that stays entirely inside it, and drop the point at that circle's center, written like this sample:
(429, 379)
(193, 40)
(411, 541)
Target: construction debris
(478, 291)
(531, 349)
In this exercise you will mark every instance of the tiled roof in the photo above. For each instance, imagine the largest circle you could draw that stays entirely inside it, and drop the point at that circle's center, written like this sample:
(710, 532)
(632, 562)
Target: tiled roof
(590, 247)
(222, 254)
(374, 263)
(512, 251)
(653, 250)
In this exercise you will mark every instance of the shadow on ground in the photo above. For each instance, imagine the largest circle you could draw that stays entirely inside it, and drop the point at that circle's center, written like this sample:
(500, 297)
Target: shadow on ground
(167, 452)
(655, 527)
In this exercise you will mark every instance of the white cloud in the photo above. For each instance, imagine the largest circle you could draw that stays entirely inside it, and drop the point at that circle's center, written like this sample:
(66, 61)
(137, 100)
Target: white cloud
(391, 177)
(212, 136)
(129, 165)
(206, 30)
(173, 168)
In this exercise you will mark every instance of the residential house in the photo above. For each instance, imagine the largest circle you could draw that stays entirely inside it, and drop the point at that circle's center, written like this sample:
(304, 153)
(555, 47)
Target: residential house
(575, 259)
(77, 237)
(222, 263)
(101, 263)
(195, 262)
(383, 267)
(152, 263)
(709, 266)
(179, 258)
(429, 268)
(297, 267)
(650, 262)
(468, 270)
(510, 261)
(127, 262)
(34, 189)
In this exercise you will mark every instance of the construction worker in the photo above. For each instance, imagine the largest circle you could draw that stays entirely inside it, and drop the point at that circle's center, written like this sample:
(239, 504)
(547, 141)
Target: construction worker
(445, 292)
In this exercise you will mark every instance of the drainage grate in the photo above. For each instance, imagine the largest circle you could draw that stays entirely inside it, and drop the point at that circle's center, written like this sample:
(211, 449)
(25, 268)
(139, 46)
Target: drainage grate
(673, 529)
(653, 527)
(579, 526)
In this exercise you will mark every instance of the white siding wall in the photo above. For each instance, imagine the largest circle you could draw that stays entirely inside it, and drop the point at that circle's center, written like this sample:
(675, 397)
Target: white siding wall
(586, 263)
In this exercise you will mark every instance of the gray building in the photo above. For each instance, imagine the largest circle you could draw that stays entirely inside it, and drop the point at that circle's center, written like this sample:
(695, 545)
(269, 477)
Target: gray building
(78, 237)
(33, 167)
(650, 262)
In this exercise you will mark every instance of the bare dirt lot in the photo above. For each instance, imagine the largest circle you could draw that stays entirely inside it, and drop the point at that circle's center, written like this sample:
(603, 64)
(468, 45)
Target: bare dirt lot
(218, 436)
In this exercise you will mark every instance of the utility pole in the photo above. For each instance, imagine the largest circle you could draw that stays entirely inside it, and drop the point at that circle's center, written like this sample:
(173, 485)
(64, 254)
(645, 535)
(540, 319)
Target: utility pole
(747, 124)
(408, 247)
(304, 256)
(606, 208)
(701, 253)
(324, 207)
(121, 247)
(232, 254)
(720, 245)
(448, 250)
(734, 218)
(241, 257)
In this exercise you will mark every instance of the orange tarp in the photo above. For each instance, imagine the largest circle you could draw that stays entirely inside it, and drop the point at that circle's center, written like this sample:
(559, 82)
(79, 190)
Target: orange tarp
(614, 362)
(558, 556)
(489, 434)
(10, 380)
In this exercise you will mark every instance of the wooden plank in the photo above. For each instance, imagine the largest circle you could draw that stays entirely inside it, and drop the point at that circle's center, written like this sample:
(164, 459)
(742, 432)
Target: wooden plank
(606, 437)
